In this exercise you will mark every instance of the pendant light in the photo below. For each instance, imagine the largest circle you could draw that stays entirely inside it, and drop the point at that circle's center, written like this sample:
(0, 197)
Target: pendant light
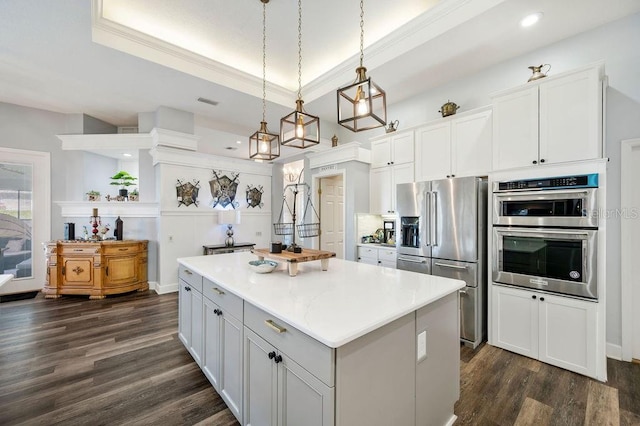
(264, 145)
(299, 129)
(363, 104)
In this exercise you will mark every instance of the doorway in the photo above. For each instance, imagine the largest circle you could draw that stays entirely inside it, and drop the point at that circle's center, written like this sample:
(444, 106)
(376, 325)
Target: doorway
(25, 218)
(630, 247)
(331, 202)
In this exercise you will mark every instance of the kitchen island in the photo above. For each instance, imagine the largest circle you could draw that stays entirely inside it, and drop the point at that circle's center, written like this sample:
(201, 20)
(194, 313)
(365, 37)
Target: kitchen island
(356, 344)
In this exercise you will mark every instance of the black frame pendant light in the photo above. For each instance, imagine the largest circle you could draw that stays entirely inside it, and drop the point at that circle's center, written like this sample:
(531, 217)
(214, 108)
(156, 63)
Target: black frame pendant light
(264, 145)
(300, 129)
(362, 105)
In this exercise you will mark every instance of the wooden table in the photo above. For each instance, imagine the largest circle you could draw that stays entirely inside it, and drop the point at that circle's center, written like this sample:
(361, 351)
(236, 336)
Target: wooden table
(293, 259)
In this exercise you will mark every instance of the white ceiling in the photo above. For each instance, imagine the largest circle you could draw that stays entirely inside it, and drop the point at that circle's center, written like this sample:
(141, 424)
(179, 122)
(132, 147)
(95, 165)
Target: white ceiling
(114, 58)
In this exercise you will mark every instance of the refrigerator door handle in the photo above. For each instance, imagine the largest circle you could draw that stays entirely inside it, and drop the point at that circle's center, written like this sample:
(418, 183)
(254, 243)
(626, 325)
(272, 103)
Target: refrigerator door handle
(427, 217)
(444, 265)
(434, 219)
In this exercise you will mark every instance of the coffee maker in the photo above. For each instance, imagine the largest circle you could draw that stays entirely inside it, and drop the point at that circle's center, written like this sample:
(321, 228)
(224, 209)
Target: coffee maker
(389, 227)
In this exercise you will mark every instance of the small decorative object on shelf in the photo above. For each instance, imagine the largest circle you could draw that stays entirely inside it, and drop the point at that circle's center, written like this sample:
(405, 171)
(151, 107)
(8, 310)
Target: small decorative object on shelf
(93, 195)
(187, 193)
(134, 195)
(537, 72)
(254, 196)
(334, 141)
(392, 127)
(123, 180)
(95, 222)
(223, 189)
(448, 109)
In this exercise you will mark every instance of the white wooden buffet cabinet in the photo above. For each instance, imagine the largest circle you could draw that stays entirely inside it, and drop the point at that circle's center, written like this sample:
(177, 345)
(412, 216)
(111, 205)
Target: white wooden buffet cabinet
(351, 345)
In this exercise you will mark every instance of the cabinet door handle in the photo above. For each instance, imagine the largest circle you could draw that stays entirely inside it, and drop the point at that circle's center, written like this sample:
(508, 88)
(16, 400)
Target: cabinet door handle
(186, 287)
(278, 359)
(542, 299)
(106, 271)
(462, 291)
(64, 270)
(271, 355)
(542, 160)
(535, 162)
(533, 297)
(274, 326)
(123, 249)
(188, 272)
(218, 291)
(77, 249)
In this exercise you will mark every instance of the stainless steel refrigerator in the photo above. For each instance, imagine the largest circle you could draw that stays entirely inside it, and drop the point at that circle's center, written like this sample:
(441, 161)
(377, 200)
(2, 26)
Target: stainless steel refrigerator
(443, 231)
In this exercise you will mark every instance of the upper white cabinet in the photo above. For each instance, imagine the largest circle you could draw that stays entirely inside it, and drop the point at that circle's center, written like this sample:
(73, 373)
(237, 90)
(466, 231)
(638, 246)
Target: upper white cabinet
(395, 149)
(391, 164)
(552, 120)
(454, 146)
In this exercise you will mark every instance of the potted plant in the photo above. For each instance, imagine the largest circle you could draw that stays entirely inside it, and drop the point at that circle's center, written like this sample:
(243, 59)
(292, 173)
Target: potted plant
(134, 195)
(93, 195)
(123, 180)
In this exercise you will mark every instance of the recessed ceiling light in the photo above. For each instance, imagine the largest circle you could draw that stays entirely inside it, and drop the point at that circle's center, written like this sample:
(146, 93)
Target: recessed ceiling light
(529, 20)
(238, 142)
(126, 154)
(207, 101)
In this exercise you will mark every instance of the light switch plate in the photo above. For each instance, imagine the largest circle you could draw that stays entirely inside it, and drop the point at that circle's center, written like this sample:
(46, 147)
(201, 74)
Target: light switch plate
(422, 345)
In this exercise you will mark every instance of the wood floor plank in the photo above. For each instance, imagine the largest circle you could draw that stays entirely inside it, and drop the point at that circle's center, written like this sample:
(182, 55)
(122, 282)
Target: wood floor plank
(602, 405)
(534, 413)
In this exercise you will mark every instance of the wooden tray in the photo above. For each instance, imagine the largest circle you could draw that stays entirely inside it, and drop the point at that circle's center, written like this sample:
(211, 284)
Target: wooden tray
(293, 259)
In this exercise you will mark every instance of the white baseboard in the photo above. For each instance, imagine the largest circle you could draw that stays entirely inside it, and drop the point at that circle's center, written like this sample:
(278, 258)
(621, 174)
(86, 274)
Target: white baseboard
(452, 420)
(614, 351)
(163, 288)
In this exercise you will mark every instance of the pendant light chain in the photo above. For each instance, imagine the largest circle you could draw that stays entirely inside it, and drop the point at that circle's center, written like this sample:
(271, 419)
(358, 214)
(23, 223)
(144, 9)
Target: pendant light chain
(264, 61)
(299, 49)
(361, 32)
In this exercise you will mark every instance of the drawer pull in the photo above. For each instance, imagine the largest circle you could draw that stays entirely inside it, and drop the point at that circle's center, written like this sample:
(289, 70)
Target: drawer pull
(444, 265)
(188, 272)
(275, 326)
(78, 249)
(123, 249)
(218, 291)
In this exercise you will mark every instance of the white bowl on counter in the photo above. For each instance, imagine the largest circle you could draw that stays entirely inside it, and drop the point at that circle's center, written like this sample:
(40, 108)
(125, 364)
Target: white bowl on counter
(263, 266)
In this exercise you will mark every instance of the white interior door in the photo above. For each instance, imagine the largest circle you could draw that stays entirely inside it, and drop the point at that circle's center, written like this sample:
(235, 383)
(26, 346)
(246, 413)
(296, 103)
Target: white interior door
(25, 218)
(332, 215)
(630, 247)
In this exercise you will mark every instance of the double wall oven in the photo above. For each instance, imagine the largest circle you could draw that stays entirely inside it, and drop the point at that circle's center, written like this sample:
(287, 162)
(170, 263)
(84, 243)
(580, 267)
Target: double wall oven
(545, 234)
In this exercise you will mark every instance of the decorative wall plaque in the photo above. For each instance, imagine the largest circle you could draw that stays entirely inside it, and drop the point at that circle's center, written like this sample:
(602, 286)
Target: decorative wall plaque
(254, 196)
(187, 192)
(223, 189)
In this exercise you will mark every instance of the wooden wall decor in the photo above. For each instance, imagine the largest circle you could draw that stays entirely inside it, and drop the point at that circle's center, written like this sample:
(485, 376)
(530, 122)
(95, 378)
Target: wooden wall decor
(254, 196)
(187, 192)
(224, 188)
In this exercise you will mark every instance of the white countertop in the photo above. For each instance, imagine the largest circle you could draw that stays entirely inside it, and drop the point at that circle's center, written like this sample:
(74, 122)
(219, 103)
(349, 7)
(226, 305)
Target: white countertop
(377, 245)
(335, 306)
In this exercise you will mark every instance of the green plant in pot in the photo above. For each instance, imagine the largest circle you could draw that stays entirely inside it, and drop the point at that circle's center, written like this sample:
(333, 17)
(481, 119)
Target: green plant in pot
(123, 180)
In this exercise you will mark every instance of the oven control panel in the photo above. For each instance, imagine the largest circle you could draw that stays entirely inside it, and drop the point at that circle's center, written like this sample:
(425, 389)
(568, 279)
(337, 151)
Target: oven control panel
(582, 181)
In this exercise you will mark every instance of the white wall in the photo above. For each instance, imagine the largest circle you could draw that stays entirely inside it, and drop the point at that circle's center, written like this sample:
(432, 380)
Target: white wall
(615, 44)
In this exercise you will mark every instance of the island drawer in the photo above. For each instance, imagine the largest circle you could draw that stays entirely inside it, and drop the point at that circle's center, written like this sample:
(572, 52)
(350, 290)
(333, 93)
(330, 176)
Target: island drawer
(190, 277)
(222, 297)
(315, 357)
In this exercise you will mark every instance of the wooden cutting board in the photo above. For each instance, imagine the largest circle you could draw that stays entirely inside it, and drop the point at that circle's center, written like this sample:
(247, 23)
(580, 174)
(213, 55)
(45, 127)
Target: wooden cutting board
(293, 259)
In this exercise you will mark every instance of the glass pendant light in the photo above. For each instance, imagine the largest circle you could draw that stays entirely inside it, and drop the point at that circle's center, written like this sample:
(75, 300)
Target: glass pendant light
(264, 145)
(362, 105)
(299, 129)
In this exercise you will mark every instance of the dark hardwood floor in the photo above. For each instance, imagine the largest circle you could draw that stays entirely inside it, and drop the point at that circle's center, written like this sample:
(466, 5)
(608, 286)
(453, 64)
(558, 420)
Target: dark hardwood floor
(117, 361)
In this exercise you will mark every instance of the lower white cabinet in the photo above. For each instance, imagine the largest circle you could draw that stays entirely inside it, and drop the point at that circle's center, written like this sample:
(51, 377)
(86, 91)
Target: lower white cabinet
(222, 358)
(281, 392)
(190, 320)
(382, 256)
(557, 330)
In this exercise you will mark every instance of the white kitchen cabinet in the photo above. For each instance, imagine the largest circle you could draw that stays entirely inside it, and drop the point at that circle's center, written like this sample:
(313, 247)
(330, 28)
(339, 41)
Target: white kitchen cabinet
(281, 392)
(190, 320)
(383, 181)
(394, 149)
(376, 255)
(222, 357)
(456, 146)
(552, 120)
(557, 330)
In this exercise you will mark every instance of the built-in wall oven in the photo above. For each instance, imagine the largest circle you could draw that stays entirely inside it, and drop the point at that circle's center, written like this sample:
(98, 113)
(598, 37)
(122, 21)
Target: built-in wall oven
(545, 234)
